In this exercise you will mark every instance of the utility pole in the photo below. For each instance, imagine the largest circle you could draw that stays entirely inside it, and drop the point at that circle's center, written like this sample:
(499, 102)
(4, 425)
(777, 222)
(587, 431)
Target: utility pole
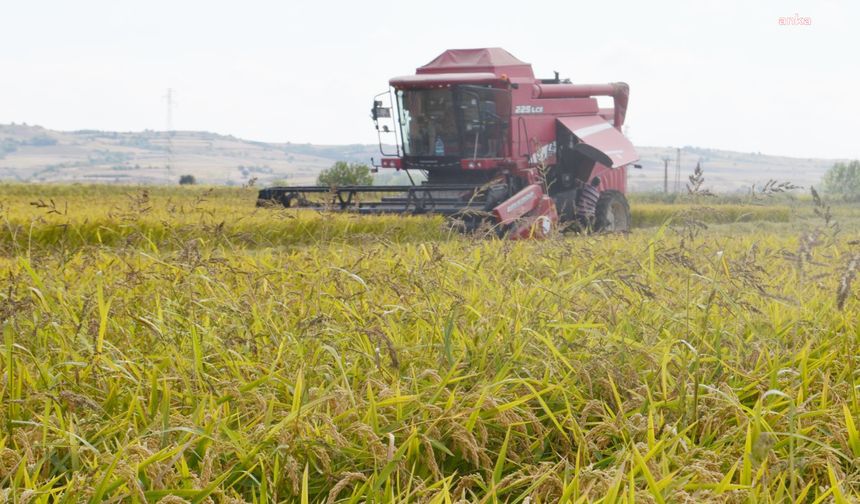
(666, 160)
(169, 98)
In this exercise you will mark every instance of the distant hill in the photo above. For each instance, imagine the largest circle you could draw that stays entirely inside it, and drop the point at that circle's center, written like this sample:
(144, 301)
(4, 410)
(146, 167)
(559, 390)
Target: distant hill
(725, 171)
(36, 154)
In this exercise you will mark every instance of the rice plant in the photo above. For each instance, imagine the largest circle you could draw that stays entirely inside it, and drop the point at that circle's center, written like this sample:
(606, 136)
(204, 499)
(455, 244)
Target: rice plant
(183, 346)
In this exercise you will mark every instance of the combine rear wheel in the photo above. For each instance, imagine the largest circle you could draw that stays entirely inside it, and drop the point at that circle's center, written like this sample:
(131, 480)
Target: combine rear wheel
(613, 213)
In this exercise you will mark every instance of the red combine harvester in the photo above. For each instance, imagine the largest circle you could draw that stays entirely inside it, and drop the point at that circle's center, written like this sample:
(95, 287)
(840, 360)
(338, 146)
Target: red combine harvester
(495, 144)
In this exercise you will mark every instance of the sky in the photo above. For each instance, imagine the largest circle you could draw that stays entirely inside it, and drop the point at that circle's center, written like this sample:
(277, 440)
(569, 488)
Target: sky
(717, 74)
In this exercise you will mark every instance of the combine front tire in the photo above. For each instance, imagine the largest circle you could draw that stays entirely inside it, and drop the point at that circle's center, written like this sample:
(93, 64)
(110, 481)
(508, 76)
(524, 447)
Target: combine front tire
(613, 213)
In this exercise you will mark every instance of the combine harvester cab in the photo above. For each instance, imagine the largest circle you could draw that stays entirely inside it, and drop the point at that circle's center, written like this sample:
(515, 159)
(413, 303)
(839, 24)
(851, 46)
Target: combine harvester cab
(495, 144)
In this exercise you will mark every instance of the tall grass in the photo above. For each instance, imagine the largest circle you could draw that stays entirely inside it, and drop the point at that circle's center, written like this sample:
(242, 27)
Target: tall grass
(669, 365)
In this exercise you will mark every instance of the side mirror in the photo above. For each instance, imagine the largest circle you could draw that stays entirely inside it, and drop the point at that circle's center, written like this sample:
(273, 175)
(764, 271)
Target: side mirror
(379, 111)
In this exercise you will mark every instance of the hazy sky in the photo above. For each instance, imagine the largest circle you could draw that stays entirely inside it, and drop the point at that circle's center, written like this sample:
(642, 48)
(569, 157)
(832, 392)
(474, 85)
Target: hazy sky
(721, 74)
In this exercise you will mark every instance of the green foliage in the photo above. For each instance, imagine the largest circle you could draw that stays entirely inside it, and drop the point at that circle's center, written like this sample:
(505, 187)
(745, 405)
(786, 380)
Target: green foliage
(843, 179)
(187, 180)
(343, 173)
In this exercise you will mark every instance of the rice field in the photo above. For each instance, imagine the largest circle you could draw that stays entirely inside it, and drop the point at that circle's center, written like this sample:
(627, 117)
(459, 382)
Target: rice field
(181, 345)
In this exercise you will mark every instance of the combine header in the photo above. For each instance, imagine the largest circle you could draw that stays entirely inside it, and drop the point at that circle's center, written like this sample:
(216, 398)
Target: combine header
(496, 145)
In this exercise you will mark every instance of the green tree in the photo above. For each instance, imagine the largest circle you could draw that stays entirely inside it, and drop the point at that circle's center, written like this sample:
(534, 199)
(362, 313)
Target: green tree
(343, 174)
(187, 180)
(843, 179)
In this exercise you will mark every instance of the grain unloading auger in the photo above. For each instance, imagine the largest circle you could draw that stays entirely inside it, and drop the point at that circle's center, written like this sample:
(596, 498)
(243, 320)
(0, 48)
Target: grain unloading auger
(495, 144)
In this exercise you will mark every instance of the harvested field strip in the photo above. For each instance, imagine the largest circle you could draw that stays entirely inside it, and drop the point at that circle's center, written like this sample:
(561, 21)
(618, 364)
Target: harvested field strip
(656, 214)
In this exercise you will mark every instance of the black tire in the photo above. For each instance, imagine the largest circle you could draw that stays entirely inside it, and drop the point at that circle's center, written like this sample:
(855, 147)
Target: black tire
(565, 205)
(613, 213)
